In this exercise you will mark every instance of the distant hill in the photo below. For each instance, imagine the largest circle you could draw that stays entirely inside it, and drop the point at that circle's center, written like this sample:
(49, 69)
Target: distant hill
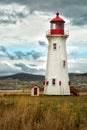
(24, 77)
(77, 74)
(32, 77)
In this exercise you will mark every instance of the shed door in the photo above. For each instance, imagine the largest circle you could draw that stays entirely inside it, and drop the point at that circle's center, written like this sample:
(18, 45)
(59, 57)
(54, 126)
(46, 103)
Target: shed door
(35, 91)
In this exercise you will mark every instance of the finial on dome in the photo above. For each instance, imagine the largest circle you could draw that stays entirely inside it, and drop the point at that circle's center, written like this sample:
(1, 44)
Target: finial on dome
(57, 14)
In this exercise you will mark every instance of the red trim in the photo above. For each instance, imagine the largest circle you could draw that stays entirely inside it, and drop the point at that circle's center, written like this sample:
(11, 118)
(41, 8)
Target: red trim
(56, 31)
(69, 83)
(47, 82)
(60, 83)
(34, 85)
(57, 19)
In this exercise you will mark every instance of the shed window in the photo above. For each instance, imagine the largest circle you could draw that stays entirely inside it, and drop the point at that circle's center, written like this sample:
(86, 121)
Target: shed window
(53, 81)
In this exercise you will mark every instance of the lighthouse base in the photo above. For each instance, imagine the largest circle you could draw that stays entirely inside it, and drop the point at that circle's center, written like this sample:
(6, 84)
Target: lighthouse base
(56, 91)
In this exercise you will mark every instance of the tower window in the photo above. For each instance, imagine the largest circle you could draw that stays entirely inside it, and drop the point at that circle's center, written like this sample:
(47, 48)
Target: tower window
(54, 46)
(64, 63)
(53, 81)
(69, 83)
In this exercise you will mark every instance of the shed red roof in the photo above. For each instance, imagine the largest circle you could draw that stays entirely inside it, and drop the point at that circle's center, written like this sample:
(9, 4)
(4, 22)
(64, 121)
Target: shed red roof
(57, 19)
(33, 85)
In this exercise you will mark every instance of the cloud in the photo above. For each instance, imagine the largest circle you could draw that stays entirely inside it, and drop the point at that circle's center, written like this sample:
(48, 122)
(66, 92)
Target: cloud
(81, 20)
(28, 55)
(22, 66)
(74, 10)
(77, 65)
(42, 43)
(29, 69)
(11, 14)
(6, 68)
(34, 54)
(3, 49)
(4, 53)
(17, 55)
(77, 50)
(77, 57)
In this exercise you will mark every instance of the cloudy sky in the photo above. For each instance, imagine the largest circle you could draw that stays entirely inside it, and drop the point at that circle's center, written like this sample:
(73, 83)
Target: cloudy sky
(23, 26)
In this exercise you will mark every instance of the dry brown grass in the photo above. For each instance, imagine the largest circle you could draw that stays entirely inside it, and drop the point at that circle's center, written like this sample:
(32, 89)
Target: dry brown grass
(14, 93)
(22, 112)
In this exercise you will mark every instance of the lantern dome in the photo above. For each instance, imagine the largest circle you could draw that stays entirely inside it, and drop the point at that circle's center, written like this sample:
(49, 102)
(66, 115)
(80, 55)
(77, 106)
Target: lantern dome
(57, 19)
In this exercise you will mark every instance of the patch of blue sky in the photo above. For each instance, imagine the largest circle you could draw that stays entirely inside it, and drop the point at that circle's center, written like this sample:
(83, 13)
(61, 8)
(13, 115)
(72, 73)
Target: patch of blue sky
(78, 55)
(82, 55)
(26, 48)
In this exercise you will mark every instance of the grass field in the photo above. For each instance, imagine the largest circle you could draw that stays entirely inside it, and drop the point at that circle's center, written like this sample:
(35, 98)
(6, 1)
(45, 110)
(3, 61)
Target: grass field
(23, 112)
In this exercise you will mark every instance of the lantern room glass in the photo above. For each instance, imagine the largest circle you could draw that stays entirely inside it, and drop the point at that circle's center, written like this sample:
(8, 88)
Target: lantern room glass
(57, 25)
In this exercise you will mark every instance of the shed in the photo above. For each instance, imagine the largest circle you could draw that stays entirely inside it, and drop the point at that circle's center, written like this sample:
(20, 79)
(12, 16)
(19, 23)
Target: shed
(35, 90)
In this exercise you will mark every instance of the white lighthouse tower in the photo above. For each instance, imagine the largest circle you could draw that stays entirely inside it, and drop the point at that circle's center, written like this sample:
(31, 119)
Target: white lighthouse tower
(57, 79)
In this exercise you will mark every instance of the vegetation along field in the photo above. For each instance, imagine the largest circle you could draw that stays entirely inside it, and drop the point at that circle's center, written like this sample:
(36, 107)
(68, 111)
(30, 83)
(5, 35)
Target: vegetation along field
(23, 112)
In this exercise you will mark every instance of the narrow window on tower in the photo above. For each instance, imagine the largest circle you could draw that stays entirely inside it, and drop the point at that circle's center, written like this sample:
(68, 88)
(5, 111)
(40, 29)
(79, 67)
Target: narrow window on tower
(54, 46)
(64, 63)
(53, 81)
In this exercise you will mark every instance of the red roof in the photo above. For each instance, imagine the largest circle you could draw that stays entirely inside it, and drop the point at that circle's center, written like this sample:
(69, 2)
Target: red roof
(57, 19)
(33, 85)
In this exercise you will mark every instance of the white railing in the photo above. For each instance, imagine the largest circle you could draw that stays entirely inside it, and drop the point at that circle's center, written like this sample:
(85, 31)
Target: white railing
(66, 32)
(48, 32)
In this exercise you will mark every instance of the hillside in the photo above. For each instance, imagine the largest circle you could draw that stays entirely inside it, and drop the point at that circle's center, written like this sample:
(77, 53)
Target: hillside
(32, 77)
(24, 77)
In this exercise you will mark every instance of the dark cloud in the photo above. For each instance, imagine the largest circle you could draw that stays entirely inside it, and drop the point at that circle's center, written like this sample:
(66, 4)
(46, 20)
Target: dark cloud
(76, 10)
(12, 16)
(5, 53)
(8, 21)
(7, 69)
(22, 66)
(79, 21)
(25, 68)
(28, 55)
(3, 49)
(42, 43)
(33, 65)
(34, 54)
(19, 54)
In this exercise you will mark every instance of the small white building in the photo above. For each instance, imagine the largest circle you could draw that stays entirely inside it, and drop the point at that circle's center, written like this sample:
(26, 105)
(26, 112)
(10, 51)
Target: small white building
(35, 90)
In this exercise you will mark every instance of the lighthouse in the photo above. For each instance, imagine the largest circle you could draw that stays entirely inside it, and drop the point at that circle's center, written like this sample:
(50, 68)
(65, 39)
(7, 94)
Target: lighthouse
(56, 78)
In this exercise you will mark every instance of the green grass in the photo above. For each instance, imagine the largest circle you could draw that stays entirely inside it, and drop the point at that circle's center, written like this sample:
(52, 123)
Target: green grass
(18, 112)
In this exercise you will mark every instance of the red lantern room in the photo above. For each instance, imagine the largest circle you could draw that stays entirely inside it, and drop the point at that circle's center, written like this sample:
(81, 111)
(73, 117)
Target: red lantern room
(57, 25)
